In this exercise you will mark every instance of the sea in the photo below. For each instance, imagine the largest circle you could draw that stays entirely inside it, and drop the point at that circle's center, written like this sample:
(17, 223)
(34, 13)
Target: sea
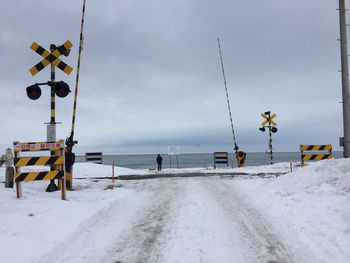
(194, 160)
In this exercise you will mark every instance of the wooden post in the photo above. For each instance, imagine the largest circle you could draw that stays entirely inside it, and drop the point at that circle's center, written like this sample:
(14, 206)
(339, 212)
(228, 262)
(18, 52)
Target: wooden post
(62, 181)
(302, 155)
(63, 189)
(291, 165)
(18, 190)
(113, 171)
(17, 170)
(57, 167)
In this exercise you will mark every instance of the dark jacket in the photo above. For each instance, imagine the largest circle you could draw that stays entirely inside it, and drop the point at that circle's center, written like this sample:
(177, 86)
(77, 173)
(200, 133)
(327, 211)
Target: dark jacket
(159, 159)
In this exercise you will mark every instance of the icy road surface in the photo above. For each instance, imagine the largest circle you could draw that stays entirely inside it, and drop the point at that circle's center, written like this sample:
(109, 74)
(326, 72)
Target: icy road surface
(178, 220)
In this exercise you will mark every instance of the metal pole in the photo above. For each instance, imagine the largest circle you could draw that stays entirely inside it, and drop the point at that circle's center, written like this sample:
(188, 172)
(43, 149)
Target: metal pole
(345, 78)
(53, 102)
(270, 141)
(113, 171)
(51, 130)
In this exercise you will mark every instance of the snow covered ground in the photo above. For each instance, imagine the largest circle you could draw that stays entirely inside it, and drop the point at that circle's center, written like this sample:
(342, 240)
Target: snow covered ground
(227, 215)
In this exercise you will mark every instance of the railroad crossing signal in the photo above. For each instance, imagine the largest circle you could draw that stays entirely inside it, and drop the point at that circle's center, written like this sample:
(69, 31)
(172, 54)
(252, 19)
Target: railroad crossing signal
(60, 88)
(268, 119)
(51, 57)
(270, 124)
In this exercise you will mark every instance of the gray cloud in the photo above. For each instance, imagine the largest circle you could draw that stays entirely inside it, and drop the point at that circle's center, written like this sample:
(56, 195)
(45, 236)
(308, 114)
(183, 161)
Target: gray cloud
(151, 77)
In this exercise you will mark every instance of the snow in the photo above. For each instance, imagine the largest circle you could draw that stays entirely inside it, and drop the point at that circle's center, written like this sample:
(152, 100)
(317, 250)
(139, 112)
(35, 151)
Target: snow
(311, 207)
(250, 214)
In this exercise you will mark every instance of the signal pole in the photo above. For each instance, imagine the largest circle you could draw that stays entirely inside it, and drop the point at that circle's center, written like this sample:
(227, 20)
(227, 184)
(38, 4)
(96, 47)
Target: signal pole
(345, 78)
(268, 119)
(51, 126)
(61, 89)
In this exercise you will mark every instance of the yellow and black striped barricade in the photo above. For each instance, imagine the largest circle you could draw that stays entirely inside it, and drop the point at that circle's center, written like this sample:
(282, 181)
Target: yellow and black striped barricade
(220, 157)
(94, 157)
(55, 160)
(315, 153)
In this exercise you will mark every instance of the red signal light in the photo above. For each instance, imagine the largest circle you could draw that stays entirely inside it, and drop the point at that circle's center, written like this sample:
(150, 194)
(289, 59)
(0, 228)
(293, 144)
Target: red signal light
(34, 92)
(61, 89)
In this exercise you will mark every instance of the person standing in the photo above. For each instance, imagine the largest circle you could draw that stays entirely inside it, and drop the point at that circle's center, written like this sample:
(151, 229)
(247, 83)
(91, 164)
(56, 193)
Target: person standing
(7, 158)
(159, 160)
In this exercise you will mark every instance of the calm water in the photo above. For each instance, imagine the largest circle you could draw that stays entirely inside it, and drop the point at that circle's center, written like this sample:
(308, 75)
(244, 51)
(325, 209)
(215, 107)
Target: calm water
(148, 161)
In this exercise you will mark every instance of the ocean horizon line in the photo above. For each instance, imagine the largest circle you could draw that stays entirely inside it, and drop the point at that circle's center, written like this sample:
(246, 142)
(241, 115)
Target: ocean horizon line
(155, 153)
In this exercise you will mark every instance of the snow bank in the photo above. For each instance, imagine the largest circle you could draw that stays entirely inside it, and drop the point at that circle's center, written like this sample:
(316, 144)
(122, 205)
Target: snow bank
(91, 170)
(37, 222)
(311, 206)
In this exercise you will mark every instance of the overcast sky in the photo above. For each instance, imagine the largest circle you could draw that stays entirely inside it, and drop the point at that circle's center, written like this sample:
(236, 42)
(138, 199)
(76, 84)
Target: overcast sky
(151, 76)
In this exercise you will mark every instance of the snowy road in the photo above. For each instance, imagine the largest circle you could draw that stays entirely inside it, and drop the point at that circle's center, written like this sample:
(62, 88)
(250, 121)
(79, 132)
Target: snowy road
(177, 220)
(262, 243)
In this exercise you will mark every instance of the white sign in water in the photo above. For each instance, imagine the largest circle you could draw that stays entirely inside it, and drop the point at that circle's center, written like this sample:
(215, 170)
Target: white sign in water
(173, 150)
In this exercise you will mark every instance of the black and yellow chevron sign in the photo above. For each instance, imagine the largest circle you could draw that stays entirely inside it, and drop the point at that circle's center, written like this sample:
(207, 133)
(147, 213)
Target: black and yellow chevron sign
(316, 148)
(316, 157)
(42, 160)
(51, 57)
(315, 152)
(35, 176)
(55, 161)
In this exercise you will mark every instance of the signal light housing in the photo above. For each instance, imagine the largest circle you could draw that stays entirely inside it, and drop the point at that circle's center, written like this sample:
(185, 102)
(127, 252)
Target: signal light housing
(262, 129)
(274, 129)
(61, 89)
(33, 92)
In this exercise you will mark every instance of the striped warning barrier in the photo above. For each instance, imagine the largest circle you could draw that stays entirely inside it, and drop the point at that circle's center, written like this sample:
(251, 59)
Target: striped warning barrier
(43, 160)
(56, 161)
(220, 157)
(95, 157)
(34, 176)
(315, 153)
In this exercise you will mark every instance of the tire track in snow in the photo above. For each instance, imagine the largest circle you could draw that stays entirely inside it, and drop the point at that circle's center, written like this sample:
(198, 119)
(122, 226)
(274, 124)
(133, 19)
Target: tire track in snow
(202, 232)
(258, 235)
(147, 228)
(145, 241)
(95, 239)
